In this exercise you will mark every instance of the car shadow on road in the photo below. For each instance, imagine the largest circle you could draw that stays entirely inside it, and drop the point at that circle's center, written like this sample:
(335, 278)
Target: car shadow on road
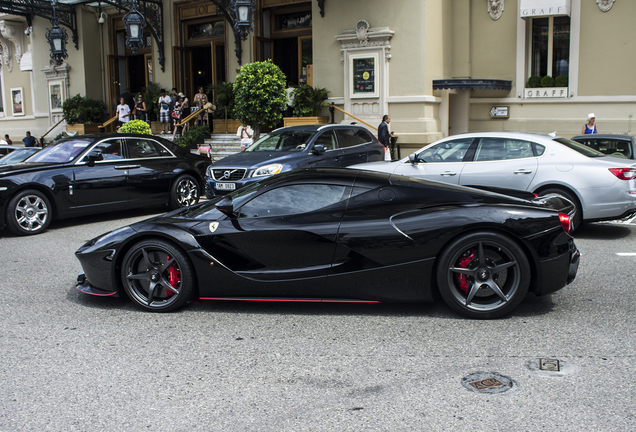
(603, 231)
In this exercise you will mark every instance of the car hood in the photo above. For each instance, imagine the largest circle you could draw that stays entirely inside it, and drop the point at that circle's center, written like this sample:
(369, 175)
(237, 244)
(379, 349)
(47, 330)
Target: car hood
(26, 167)
(255, 159)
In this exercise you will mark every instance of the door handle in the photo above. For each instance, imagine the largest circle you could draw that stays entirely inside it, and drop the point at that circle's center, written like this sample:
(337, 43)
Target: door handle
(523, 171)
(448, 173)
(124, 167)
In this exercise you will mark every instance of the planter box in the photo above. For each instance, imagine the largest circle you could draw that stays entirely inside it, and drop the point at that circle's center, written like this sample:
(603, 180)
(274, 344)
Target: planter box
(155, 127)
(297, 121)
(545, 92)
(83, 129)
(220, 126)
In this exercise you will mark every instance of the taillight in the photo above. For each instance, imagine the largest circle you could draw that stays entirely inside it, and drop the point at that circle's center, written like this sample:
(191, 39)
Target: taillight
(565, 222)
(624, 173)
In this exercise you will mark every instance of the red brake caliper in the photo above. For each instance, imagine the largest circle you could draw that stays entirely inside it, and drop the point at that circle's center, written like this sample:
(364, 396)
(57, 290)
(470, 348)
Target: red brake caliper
(174, 277)
(462, 280)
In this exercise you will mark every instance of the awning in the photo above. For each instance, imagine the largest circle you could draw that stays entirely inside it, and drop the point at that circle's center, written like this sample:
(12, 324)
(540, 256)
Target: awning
(543, 8)
(472, 84)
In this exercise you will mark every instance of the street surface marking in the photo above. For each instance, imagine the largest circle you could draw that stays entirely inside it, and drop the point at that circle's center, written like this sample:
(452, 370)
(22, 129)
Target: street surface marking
(626, 253)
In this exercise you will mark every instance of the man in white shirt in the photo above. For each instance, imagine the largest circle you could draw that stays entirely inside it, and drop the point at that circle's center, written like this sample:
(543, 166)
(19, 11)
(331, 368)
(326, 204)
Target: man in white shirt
(164, 112)
(123, 110)
(245, 133)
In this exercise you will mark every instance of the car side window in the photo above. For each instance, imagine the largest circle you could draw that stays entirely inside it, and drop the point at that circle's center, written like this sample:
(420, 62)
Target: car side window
(347, 138)
(611, 147)
(490, 149)
(364, 137)
(448, 151)
(111, 149)
(293, 199)
(328, 139)
(140, 148)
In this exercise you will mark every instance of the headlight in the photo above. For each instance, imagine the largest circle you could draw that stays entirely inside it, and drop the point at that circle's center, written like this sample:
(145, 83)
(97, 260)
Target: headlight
(268, 170)
(209, 172)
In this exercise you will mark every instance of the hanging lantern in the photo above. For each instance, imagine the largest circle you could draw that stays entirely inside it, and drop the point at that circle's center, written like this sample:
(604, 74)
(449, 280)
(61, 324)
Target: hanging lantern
(243, 11)
(134, 22)
(57, 38)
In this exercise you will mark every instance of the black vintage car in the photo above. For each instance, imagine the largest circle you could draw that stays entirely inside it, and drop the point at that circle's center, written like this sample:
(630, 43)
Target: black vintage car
(340, 235)
(94, 174)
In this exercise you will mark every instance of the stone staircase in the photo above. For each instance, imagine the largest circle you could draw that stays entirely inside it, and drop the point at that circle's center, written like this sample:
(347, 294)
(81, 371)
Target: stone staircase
(222, 145)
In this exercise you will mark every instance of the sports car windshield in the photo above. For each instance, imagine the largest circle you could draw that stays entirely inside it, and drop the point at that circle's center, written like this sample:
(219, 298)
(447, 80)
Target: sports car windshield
(581, 148)
(283, 141)
(209, 211)
(63, 151)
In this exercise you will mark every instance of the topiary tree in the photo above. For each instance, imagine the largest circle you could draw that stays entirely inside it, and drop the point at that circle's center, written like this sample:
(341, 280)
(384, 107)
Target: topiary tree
(534, 81)
(561, 81)
(81, 110)
(135, 126)
(259, 95)
(547, 81)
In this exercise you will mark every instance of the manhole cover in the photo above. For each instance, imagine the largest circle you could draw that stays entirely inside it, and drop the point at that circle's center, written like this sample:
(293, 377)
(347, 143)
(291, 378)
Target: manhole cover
(488, 382)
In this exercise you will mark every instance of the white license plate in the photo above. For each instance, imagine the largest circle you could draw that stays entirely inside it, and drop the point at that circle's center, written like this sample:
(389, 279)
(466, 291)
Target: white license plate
(225, 186)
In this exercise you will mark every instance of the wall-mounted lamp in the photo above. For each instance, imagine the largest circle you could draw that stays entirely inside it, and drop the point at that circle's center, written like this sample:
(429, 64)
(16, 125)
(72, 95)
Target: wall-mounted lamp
(102, 17)
(28, 31)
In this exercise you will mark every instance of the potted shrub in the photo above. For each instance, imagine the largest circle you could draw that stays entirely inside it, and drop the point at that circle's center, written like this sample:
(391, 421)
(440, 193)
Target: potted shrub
(193, 137)
(222, 118)
(135, 126)
(306, 105)
(83, 115)
(259, 95)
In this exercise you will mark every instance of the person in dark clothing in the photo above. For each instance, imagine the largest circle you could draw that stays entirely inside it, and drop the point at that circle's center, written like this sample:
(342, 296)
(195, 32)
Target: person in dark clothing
(128, 100)
(384, 136)
(29, 141)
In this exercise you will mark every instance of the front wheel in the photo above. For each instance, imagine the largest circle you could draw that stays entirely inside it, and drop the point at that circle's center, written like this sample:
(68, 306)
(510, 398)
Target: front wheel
(28, 213)
(184, 192)
(483, 275)
(157, 275)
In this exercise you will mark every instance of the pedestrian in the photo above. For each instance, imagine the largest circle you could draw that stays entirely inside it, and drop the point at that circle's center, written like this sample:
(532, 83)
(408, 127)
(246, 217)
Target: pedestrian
(123, 111)
(176, 112)
(384, 136)
(128, 99)
(185, 105)
(7, 139)
(590, 126)
(245, 133)
(164, 112)
(29, 141)
(140, 108)
(200, 99)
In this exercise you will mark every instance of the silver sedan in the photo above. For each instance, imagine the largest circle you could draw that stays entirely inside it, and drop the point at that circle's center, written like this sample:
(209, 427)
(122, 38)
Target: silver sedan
(602, 187)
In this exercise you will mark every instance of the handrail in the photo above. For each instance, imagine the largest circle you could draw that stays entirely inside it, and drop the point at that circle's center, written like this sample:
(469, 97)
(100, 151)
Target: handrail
(107, 122)
(352, 116)
(190, 117)
(47, 132)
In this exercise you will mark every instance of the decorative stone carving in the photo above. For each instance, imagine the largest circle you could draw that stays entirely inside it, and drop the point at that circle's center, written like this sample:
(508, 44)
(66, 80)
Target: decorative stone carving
(495, 8)
(13, 32)
(605, 5)
(361, 31)
(7, 60)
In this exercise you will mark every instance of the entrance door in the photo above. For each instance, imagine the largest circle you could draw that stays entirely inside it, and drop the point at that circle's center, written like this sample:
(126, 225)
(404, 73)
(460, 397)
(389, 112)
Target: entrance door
(118, 72)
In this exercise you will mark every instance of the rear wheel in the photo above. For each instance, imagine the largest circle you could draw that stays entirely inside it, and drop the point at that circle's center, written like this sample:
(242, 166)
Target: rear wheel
(577, 218)
(28, 213)
(184, 192)
(157, 275)
(483, 275)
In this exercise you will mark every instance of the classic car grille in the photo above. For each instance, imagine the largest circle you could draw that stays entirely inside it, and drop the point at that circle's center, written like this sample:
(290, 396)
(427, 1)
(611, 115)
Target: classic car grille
(228, 174)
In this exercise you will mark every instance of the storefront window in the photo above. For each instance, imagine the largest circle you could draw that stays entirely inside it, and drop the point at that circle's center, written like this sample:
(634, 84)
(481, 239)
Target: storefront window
(550, 46)
(292, 20)
(206, 30)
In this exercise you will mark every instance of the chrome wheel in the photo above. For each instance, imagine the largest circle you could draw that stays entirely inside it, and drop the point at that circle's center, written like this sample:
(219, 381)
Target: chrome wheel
(157, 275)
(28, 213)
(483, 275)
(185, 192)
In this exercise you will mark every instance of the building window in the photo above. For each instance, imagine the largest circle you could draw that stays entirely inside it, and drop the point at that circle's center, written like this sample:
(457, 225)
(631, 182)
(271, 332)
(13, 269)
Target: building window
(550, 46)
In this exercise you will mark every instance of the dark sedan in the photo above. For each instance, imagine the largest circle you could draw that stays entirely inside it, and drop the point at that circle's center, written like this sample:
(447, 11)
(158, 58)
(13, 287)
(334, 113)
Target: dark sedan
(336, 235)
(285, 149)
(97, 173)
(620, 145)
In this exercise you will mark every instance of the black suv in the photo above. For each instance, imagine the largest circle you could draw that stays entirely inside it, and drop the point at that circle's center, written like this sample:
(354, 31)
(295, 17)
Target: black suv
(285, 149)
(610, 144)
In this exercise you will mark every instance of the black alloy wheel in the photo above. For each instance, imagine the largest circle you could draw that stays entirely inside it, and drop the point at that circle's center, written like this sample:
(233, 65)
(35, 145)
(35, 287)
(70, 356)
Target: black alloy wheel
(184, 192)
(483, 275)
(157, 275)
(28, 213)
(577, 218)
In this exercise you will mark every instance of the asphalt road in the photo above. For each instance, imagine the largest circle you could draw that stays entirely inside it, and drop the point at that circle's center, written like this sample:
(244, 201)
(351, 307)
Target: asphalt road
(72, 362)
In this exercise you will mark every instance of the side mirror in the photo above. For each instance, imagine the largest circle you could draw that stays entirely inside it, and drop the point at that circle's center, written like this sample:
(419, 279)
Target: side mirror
(94, 156)
(318, 149)
(413, 158)
(226, 206)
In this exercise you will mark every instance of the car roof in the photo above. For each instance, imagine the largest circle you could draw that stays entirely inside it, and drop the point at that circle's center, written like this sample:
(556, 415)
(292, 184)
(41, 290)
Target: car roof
(517, 135)
(319, 127)
(625, 137)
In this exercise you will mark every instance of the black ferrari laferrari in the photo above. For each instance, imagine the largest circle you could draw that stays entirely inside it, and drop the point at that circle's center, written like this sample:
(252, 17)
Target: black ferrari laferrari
(341, 235)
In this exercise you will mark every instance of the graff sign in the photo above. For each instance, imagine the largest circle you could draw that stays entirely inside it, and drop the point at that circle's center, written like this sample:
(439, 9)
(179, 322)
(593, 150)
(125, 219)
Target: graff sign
(537, 8)
(549, 92)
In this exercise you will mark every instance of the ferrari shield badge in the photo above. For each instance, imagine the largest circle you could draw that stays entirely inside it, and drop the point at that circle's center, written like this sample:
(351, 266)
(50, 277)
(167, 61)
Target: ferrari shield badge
(213, 226)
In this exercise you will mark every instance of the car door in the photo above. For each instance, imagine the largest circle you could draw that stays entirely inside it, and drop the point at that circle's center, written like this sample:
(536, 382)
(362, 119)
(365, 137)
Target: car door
(284, 239)
(354, 150)
(501, 162)
(102, 184)
(150, 171)
(333, 155)
(442, 162)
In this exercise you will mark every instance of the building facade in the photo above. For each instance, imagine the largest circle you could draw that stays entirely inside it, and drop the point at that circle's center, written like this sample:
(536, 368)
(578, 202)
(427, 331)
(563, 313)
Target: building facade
(438, 67)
